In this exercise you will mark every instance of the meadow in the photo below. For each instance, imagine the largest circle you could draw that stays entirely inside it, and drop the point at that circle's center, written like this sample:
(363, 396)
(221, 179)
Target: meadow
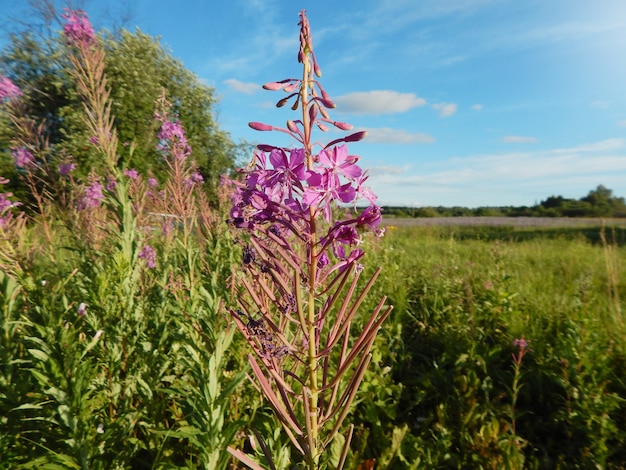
(110, 364)
(149, 323)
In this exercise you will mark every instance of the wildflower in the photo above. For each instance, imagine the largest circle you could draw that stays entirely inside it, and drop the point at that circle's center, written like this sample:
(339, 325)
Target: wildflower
(78, 29)
(22, 157)
(174, 141)
(98, 334)
(193, 179)
(100, 428)
(8, 90)
(132, 174)
(520, 343)
(94, 140)
(152, 182)
(66, 168)
(111, 184)
(82, 309)
(148, 254)
(92, 196)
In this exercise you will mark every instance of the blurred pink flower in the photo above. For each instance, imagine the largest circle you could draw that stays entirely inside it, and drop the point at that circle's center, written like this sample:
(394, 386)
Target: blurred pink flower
(8, 90)
(66, 168)
(78, 29)
(22, 157)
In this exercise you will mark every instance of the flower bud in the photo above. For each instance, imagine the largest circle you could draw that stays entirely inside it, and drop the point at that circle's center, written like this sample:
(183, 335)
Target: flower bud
(259, 126)
(282, 102)
(327, 102)
(344, 126)
(317, 69)
(273, 86)
(356, 136)
(265, 147)
(292, 126)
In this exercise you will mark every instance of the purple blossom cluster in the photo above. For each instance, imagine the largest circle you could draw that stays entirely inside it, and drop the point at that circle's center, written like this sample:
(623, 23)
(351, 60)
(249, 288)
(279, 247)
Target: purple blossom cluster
(78, 29)
(22, 157)
(194, 178)
(92, 197)
(66, 168)
(8, 90)
(131, 174)
(281, 192)
(173, 139)
(148, 254)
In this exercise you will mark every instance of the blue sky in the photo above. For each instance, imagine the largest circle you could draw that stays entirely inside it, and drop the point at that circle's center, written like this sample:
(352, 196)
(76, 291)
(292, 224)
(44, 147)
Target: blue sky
(467, 102)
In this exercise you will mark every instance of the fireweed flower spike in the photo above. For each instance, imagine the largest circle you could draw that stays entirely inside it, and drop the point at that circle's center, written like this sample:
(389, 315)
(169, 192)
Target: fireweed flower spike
(299, 289)
(78, 29)
(8, 90)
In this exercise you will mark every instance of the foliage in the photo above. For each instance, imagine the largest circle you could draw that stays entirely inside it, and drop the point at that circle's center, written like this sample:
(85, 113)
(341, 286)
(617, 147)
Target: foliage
(598, 203)
(448, 391)
(137, 67)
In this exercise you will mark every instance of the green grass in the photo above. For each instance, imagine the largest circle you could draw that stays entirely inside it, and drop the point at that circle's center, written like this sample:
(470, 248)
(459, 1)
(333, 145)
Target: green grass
(165, 378)
(445, 372)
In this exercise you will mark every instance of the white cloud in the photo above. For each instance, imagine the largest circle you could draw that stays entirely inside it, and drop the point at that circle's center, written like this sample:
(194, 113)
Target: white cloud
(621, 123)
(508, 178)
(477, 107)
(242, 87)
(518, 139)
(387, 135)
(378, 102)
(445, 109)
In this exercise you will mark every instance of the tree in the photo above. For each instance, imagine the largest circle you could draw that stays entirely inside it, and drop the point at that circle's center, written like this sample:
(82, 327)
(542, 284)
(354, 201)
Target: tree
(138, 67)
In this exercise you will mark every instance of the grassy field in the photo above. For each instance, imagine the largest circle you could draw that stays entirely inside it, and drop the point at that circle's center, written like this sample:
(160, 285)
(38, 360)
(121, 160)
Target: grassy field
(506, 349)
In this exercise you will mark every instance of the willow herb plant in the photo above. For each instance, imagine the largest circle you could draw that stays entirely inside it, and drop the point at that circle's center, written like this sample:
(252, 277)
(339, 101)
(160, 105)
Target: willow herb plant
(299, 291)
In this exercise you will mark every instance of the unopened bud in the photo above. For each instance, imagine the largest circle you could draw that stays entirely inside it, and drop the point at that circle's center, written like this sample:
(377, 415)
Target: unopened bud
(322, 127)
(344, 126)
(273, 86)
(265, 147)
(282, 102)
(259, 126)
(292, 126)
(313, 112)
(289, 88)
(327, 102)
(355, 137)
(317, 69)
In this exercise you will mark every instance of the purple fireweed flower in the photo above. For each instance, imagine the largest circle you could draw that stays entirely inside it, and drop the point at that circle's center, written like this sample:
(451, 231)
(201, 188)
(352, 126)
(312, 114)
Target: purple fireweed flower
(8, 90)
(78, 29)
(22, 157)
(193, 179)
(111, 184)
(148, 254)
(370, 217)
(92, 197)
(173, 140)
(520, 343)
(132, 174)
(94, 140)
(152, 182)
(339, 162)
(66, 168)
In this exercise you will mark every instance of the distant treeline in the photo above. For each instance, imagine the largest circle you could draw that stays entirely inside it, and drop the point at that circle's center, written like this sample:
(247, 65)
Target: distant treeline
(600, 202)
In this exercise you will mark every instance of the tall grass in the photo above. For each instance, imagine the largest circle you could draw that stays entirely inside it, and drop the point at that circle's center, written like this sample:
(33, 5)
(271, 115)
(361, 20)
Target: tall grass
(450, 392)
